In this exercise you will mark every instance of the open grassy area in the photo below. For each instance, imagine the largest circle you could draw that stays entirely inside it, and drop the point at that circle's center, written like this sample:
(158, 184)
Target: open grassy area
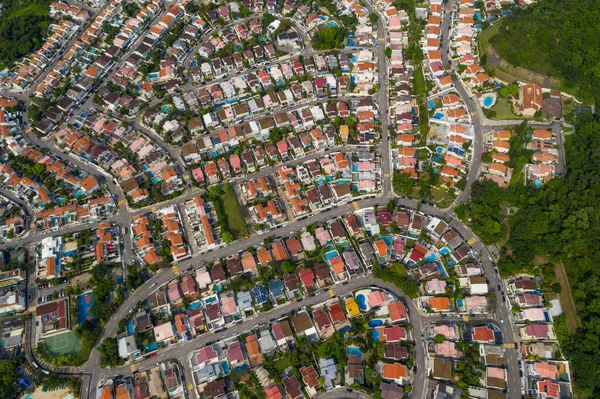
(517, 177)
(503, 110)
(419, 82)
(486, 34)
(35, 9)
(441, 197)
(235, 217)
(566, 298)
(283, 363)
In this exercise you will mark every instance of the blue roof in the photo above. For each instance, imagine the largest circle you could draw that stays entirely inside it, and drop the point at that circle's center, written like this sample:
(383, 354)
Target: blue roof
(260, 293)
(276, 288)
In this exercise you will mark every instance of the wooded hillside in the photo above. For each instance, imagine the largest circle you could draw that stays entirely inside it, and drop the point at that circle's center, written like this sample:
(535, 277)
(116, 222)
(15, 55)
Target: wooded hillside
(23, 27)
(558, 38)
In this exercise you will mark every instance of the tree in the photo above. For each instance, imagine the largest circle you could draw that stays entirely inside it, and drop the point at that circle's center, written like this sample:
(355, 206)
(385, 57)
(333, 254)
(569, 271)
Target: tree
(388, 52)
(373, 19)
(227, 237)
(8, 379)
(330, 37)
(403, 183)
(439, 338)
(109, 353)
(214, 192)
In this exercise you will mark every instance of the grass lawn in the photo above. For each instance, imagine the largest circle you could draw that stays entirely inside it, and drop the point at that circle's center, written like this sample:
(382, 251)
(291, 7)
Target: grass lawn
(235, 217)
(283, 363)
(485, 36)
(441, 197)
(419, 82)
(35, 9)
(503, 110)
(566, 298)
(517, 176)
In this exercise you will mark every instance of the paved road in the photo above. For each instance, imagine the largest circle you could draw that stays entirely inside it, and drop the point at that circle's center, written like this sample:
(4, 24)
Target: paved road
(383, 100)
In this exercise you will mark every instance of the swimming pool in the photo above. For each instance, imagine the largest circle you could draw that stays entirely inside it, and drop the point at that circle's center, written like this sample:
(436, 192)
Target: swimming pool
(431, 104)
(430, 258)
(373, 323)
(351, 42)
(537, 184)
(438, 115)
(320, 180)
(488, 101)
(129, 326)
(332, 24)
(194, 305)
(323, 18)
(439, 150)
(361, 302)
(441, 270)
(444, 251)
(354, 351)
(330, 255)
(225, 367)
(459, 302)
(375, 335)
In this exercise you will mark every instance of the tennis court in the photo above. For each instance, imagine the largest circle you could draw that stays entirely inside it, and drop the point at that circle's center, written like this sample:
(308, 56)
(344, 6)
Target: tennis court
(84, 303)
(63, 344)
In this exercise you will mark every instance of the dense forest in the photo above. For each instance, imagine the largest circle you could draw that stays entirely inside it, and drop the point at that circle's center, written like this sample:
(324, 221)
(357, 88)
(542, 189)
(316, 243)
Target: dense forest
(23, 26)
(556, 38)
(557, 223)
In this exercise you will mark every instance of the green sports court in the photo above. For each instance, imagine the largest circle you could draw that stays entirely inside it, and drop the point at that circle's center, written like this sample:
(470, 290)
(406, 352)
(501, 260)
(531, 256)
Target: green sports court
(63, 344)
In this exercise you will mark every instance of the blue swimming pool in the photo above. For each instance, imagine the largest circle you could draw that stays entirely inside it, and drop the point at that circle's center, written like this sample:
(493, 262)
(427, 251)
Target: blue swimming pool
(436, 159)
(361, 302)
(375, 335)
(478, 15)
(332, 24)
(323, 18)
(488, 101)
(444, 251)
(329, 178)
(241, 368)
(441, 269)
(537, 184)
(351, 42)
(129, 326)
(354, 351)
(320, 180)
(431, 104)
(225, 367)
(478, 26)
(438, 115)
(330, 255)
(194, 305)
(459, 301)
(439, 150)
(375, 323)
(430, 258)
